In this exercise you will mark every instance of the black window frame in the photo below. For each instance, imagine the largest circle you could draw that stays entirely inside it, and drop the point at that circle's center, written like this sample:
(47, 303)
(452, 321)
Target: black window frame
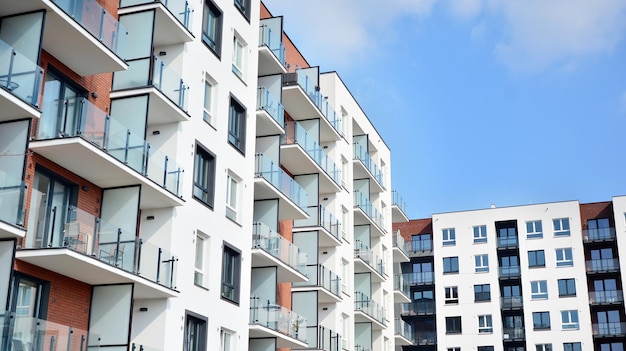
(572, 346)
(237, 118)
(208, 175)
(485, 348)
(231, 261)
(451, 325)
(544, 320)
(538, 259)
(214, 44)
(481, 294)
(451, 295)
(453, 268)
(244, 8)
(567, 292)
(201, 323)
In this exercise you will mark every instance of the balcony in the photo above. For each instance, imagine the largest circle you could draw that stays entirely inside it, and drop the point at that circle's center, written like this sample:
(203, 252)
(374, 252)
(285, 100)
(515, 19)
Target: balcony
(398, 208)
(367, 214)
(368, 311)
(425, 338)
(270, 113)
(403, 333)
(28, 333)
(607, 297)
(322, 220)
(301, 154)
(173, 21)
(511, 303)
(271, 182)
(603, 265)
(271, 249)
(21, 81)
(323, 280)
(513, 334)
(79, 33)
(598, 235)
(507, 242)
(400, 248)
(419, 248)
(401, 289)
(270, 320)
(271, 48)
(12, 211)
(366, 261)
(321, 338)
(509, 272)
(168, 92)
(303, 100)
(366, 167)
(107, 153)
(419, 278)
(419, 308)
(611, 329)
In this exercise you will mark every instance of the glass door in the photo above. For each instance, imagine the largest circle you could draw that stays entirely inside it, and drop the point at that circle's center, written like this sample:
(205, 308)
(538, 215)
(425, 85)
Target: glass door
(61, 108)
(27, 308)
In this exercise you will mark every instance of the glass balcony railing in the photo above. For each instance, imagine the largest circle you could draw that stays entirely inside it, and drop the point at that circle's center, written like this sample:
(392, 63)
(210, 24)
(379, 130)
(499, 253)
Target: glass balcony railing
(269, 170)
(403, 328)
(369, 257)
(179, 8)
(398, 241)
(396, 200)
(361, 348)
(322, 217)
(418, 308)
(606, 297)
(420, 247)
(602, 265)
(360, 153)
(110, 243)
(90, 15)
(12, 193)
(599, 234)
(425, 338)
(272, 38)
(608, 329)
(511, 334)
(319, 337)
(22, 332)
(399, 284)
(511, 302)
(507, 241)
(81, 118)
(510, 272)
(322, 277)
(278, 318)
(19, 75)
(362, 202)
(264, 238)
(271, 105)
(331, 115)
(419, 278)
(365, 304)
(296, 134)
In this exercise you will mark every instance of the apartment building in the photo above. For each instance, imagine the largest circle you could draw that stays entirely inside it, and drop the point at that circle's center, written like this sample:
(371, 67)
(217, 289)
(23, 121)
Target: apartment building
(537, 277)
(175, 175)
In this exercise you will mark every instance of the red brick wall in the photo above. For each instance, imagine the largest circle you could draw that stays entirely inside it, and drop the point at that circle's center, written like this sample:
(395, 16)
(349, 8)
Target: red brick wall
(596, 210)
(414, 226)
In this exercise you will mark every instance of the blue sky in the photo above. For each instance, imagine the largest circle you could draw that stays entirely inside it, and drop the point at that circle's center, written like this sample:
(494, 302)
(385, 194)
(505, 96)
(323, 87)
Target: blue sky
(505, 102)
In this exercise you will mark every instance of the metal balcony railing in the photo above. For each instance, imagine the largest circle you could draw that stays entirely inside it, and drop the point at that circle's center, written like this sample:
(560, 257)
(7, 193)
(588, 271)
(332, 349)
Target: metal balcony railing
(606, 297)
(509, 272)
(418, 308)
(19, 75)
(12, 194)
(321, 338)
(269, 170)
(361, 201)
(599, 234)
(273, 39)
(512, 334)
(400, 284)
(508, 241)
(403, 328)
(369, 257)
(264, 238)
(420, 247)
(278, 318)
(360, 153)
(398, 241)
(396, 200)
(322, 217)
(322, 277)
(423, 338)
(511, 302)
(365, 304)
(608, 329)
(270, 104)
(419, 278)
(179, 8)
(602, 265)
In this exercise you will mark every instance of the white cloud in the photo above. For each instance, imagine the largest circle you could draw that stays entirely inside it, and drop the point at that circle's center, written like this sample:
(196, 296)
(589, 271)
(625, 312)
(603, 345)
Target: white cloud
(465, 9)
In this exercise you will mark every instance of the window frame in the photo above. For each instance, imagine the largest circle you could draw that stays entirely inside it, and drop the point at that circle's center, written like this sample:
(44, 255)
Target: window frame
(567, 287)
(543, 347)
(451, 325)
(208, 107)
(531, 229)
(214, 44)
(238, 61)
(231, 340)
(201, 271)
(448, 237)
(208, 175)
(572, 346)
(479, 296)
(231, 260)
(485, 324)
(538, 259)
(233, 182)
(451, 295)
(481, 263)
(237, 120)
(453, 265)
(544, 316)
(564, 261)
(570, 320)
(243, 6)
(559, 224)
(539, 289)
(480, 234)
(201, 323)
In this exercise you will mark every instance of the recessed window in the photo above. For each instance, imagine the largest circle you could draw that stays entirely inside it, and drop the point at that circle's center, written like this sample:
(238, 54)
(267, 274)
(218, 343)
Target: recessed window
(541, 320)
(564, 257)
(534, 230)
(204, 176)
(482, 292)
(612, 346)
(202, 248)
(572, 346)
(212, 27)
(480, 234)
(244, 7)
(536, 258)
(485, 348)
(451, 265)
(209, 96)
(195, 332)
(485, 324)
(449, 237)
(561, 226)
(482, 263)
(237, 125)
(227, 340)
(543, 347)
(239, 55)
(454, 349)
(231, 270)
(233, 189)
(567, 287)
(452, 295)
(453, 325)
(569, 319)
(538, 289)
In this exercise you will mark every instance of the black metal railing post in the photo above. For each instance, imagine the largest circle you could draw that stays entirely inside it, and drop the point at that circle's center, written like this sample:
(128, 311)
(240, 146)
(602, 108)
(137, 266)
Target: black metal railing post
(158, 275)
(117, 246)
(69, 339)
(138, 264)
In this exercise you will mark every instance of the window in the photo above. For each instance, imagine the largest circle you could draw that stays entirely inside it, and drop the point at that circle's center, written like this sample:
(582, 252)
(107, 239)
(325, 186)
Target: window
(195, 332)
(482, 263)
(539, 289)
(613, 346)
(534, 230)
(567, 287)
(209, 93)
(212, 27)
(485, 348)
(231, 266)
(232, 196)
(239, 52)
(480, 234)
(344, 172)
(598, 229)
(482, 292)
(543, 347)
(572, 346)
(449, 237)
(344, 223)
(541, 320)
(204, 176)
(454, 349)
(561, 226)
(569, 319)
(202, 243)
(244, 7)
(453, 325)
(564, 257)
(421, 242)
(485, 325)
(227, 340)
(536, 258)
(237, 125)
(452, 295)
(451, 265)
